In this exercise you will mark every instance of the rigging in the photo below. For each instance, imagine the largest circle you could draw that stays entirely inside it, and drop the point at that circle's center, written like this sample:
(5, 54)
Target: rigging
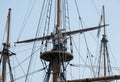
(27, 15)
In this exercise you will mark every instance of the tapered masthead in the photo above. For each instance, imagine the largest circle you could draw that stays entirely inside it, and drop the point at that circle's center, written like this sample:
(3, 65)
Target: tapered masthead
(6, 53)
(58, 13)
(5, 50)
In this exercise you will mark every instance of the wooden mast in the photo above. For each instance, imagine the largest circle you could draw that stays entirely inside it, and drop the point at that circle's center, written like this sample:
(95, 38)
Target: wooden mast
(55, 60)
(115, 77)
(104, 42)
(6, 53)
(5, 50)
(55, 71)
(58, 13)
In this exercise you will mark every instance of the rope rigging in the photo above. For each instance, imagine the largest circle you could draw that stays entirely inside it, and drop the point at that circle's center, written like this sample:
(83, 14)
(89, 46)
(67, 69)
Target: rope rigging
(67, 23)
(44, 23)
(82, 57)
(6, 53)
(61, 65)
(27, 15)
(4, 33)
(40, 23)
(95, 7)
(39, 70)
(30, 62)
(47, 25)
(45, 43)
(104, 51)
(23, 25)
(11, 75)
(89, 55)
(48, 13)
(20, 63)
(2, 43)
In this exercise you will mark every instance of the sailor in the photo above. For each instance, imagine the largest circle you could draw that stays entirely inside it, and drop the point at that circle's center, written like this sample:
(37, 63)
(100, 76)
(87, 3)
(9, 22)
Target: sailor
(65, 43)
(57, 39)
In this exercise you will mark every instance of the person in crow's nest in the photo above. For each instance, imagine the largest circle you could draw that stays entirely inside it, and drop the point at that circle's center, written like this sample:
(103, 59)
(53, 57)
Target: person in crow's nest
(58, 40)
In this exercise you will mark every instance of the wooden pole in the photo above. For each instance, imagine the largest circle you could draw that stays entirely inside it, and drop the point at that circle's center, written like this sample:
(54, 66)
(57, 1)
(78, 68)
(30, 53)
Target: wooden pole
(5, 50)
(55, 61)
(8, 31)
(104, 43)
(107, 78)
(4, 53)
(58, 13)
(55, 71)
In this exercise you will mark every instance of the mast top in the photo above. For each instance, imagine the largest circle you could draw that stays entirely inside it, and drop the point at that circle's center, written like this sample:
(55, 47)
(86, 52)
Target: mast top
(104, 20)
(10, 9)
(8, 28)
(58, 13)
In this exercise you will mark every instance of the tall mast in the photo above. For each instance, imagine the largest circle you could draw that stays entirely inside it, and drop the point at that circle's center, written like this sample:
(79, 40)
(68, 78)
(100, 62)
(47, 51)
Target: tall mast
(6, 53)
(104, 20)
(8, 31)
(104, 43)
(55, 60)
(5, 50)
(58, 13)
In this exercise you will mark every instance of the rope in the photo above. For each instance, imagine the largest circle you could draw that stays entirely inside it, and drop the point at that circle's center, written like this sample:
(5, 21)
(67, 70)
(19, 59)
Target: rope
(95, 7)
(29, 74)
(81, 57)
(84, 36)
(108, 61)
(67, 21)
(81, 21)
(99, 60)
(19, 65)
(4, 35)
(27, 15)
(37, 33)
(10, 70)
(47, 25)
